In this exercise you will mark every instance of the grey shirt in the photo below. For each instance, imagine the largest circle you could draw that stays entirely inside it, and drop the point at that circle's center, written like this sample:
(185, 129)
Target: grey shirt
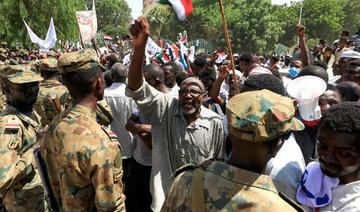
(174, 142)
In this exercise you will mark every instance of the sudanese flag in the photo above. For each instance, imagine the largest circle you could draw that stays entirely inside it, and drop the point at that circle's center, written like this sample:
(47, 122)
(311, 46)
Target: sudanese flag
(182, 8)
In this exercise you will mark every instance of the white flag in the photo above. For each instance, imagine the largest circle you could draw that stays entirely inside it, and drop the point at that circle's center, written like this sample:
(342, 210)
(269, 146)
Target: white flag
(152, 48)
(87, 24)
(50, 40)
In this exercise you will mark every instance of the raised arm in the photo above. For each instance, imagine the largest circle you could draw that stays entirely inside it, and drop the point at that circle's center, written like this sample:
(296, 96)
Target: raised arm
(215, 89)
(140, 32)
(304, 50)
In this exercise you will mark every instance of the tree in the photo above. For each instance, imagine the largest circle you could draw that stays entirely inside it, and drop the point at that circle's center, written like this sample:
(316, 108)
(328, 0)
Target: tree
(352, 15)
(113, 16)
(252, 27)
(322, 18)
(37, 14)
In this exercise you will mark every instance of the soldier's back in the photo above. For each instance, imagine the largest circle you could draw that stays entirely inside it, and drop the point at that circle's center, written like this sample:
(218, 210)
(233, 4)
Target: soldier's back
(226, 188)
(20, 184)
(50, 100)
(84, 164)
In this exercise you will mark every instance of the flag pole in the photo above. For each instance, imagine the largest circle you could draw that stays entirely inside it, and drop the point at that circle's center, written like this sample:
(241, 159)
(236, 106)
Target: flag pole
(300, 16)
(228, 43)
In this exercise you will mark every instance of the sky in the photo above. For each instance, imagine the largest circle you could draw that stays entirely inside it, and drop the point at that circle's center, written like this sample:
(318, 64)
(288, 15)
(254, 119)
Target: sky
(136, 5)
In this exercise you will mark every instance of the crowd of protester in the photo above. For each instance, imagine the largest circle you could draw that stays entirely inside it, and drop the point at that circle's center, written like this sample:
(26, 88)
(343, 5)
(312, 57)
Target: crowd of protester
(85, 131)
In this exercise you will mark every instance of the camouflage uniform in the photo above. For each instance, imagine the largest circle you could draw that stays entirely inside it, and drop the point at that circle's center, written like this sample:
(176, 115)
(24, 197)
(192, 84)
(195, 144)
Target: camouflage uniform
(258, 116)
(2, 101)
(50, 100)
(2, 96)
(104, 114)
(20, 184)
(83, 159)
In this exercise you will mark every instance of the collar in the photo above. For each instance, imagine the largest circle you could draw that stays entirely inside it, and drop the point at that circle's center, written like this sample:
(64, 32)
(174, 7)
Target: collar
(242, 176)
(84, 110)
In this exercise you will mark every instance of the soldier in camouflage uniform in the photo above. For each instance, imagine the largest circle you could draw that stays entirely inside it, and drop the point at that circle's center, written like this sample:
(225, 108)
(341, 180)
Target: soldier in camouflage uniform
(20, 184)
(83, 159)
(50, 100)
(258, 122)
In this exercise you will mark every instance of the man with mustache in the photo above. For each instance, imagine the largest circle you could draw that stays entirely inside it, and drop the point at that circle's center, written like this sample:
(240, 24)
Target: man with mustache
(339, 155)
(183, 131)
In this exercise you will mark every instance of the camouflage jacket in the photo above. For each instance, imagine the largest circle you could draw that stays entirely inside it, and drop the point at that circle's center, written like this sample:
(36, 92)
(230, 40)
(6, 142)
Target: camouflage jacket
(2, 101)
(51, 100)
(83, 161)
(104, 115)
(227, 188)
(20, 184)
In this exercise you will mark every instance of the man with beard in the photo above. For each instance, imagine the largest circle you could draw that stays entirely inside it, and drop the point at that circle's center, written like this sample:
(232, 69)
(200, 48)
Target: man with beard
(333, 183)
(20, 184)
(83, 159)
(259, 122)
(183, 131)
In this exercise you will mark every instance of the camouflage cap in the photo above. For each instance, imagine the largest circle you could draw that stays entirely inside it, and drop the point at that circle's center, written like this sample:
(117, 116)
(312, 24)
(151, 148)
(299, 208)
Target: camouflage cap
(261, 116)
(78, 61)
(49, 64)
(20, 74)
(51, 54)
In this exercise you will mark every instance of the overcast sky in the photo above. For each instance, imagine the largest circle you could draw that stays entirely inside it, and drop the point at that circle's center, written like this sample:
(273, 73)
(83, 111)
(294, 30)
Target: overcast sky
(136, 5)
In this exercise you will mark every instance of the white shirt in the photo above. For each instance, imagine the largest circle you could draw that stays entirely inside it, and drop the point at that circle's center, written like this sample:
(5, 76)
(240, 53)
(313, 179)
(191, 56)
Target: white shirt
(142, 153)
(122, 108)
(287, 167)
(174, 91)
(345, 198)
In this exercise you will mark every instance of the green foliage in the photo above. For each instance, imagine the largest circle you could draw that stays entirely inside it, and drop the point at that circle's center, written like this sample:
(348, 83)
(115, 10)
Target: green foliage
(37, 14)
(252, 27)
(352, 15)
(322, 18)
(256, 25)
(113, 16)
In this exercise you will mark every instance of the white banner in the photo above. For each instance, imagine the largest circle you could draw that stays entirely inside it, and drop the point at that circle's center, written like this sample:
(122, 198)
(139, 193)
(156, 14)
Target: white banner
(152, 48)
(50, 40)
(87, 22)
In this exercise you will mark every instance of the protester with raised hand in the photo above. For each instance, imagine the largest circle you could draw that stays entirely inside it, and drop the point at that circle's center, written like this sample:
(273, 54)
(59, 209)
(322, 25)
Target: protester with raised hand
(185, 131)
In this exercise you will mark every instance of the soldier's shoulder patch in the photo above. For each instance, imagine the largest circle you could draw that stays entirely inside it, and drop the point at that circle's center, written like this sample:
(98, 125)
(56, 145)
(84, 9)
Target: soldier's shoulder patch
(10, 124)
